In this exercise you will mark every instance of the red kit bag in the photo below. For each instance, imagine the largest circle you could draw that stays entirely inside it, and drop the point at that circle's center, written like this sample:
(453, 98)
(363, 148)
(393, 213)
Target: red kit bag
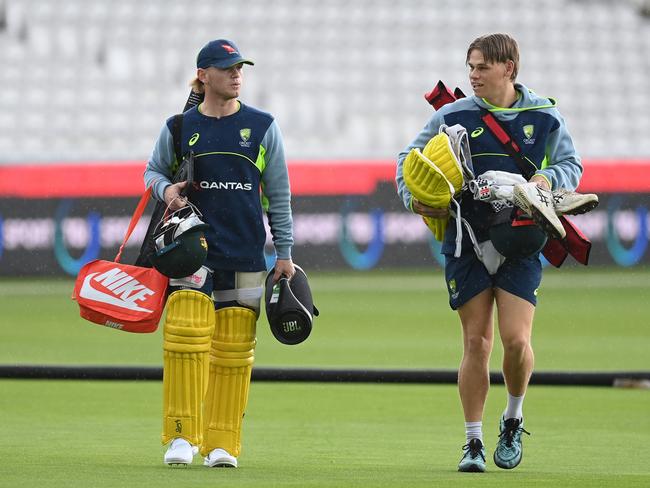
(122, 296)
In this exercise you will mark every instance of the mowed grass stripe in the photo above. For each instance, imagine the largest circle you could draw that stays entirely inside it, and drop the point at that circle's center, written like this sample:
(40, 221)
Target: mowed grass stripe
(383, 319)
(383, 281)
(102, 434)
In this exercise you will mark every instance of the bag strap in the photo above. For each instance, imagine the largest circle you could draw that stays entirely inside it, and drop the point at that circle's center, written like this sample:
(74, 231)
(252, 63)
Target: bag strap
(148, 243)
(177, 131)
(193, 99)
(139, 210)
(508, 143)
(555, 250)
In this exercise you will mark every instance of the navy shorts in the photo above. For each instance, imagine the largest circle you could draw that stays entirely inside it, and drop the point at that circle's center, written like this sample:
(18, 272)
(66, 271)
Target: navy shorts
(466, 277)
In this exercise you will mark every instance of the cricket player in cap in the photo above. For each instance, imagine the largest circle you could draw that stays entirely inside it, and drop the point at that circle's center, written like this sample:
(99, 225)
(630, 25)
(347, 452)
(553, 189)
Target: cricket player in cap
(240, 173)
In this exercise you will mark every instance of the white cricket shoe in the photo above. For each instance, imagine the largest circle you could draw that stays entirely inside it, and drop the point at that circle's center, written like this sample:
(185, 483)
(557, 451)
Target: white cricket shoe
(538, 203)
(180, 452)
(219, 458)
(568, 202)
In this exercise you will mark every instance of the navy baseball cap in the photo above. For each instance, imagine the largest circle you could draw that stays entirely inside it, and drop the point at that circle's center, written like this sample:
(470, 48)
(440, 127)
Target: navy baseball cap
(220, 54)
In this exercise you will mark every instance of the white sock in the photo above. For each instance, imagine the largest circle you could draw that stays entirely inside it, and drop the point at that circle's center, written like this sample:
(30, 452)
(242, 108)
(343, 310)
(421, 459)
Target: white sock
(514, 410)
(474, 430)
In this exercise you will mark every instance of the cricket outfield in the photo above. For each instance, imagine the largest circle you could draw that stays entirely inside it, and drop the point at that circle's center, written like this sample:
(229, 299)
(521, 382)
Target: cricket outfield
(99, 433)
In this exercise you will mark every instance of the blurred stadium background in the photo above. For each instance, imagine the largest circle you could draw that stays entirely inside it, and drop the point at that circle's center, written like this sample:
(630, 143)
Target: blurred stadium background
(88, 80)
(86, 85)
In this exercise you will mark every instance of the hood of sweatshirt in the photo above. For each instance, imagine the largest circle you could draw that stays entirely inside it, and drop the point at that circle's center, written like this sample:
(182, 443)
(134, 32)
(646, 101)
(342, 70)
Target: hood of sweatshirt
(526, 100)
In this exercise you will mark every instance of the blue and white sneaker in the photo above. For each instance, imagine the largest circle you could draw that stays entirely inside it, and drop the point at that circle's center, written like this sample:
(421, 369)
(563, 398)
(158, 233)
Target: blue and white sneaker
(473, 460)
(509, 448)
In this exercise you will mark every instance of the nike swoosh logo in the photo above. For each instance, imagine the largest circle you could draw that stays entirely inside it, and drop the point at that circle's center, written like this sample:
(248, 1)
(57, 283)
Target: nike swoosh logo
(87, 291)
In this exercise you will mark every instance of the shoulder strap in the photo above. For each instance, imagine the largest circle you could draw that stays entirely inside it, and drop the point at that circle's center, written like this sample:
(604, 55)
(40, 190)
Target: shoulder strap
(177, 131)
(508, 143)
(148, 244)
(192, 100)
(177, 124)
(139, 210)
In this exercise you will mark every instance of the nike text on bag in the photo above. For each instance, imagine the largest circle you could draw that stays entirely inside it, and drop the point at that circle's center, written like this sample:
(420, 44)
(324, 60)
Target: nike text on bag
(122, 296)
(125, 297)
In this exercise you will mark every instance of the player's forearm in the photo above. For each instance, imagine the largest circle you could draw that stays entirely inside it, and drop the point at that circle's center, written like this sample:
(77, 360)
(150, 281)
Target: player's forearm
(275, 181)
(425, 135)
(157, 174)
(281, 221)
(565, 168)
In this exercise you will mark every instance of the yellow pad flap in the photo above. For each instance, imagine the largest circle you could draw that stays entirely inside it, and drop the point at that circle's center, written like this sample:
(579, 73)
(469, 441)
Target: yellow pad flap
(439, 151)
(437, 227)
(426, 181)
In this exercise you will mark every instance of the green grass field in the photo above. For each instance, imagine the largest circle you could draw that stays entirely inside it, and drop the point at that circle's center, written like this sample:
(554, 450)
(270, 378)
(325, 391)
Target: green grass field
(106, 434)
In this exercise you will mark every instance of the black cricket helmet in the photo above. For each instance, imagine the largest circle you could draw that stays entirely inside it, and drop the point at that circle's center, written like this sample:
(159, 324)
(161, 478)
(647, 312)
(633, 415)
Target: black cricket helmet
(518, 236)
(181, 247)
(290, 307)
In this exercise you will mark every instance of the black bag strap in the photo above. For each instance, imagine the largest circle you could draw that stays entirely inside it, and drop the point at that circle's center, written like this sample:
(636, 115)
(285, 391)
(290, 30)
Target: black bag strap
(177, 131)
(177, 124)
(183, 172)
(192, 100)
(508, 143)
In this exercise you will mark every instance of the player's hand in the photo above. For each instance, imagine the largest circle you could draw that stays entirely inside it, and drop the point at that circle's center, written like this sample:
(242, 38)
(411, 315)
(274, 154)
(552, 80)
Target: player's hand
(283, 267)
(173, 198)
(541, 182)
(436, 213)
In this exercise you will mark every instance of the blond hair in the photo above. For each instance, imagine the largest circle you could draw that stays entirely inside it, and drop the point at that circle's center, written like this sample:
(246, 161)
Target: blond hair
(497, 48)
(197, 85)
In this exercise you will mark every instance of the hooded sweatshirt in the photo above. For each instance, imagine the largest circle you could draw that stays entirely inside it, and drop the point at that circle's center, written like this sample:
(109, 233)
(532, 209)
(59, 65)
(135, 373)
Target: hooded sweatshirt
(536, 126)
(235, 156)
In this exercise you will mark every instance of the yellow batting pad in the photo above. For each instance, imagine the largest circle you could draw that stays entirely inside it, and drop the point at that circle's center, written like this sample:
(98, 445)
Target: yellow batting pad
(436, 226)
(187, 332)
(429, 186)
(440, 152)
(434, 176)
(231, 364)
(425, 180)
